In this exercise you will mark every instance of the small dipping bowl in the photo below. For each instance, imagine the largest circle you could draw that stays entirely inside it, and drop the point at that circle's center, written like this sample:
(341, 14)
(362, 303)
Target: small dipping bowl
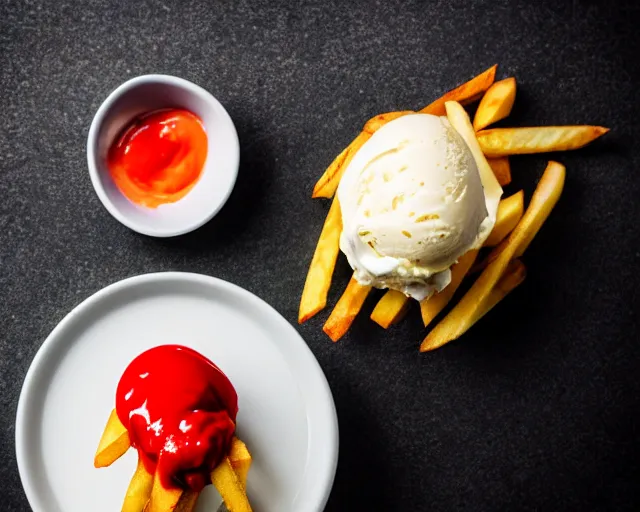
(145, 94)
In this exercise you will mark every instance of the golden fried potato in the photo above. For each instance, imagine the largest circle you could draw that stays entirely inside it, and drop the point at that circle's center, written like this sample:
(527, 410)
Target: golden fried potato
(510, 212)
(332, 170)
(496, 104)
(475, 301)
(464, 94)
(162, 499)
(139, 490)
(501, 169)
(316, 286)
(187, 502)
(346, 310)
(230, 487)
(240, 459)
(329, 181)
(390, 309)
(432, 306)
(375, 123)
(114, 442)
(497, 142)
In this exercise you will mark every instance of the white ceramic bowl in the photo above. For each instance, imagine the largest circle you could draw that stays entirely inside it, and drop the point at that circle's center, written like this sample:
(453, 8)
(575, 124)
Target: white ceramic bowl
(152, 92)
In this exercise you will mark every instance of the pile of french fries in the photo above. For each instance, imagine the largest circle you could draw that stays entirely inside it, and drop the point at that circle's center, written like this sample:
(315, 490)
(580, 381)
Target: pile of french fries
(146, 492)
(501, 270)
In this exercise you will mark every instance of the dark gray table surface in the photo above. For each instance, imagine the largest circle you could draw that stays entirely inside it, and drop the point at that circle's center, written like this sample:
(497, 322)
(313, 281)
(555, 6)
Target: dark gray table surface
(537, 408)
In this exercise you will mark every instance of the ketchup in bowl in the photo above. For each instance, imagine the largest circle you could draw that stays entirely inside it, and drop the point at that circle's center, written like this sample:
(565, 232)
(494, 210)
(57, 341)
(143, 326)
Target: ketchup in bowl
(180, 411)
(159, 157)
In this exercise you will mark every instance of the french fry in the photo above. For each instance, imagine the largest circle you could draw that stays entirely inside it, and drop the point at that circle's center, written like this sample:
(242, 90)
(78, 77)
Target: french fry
(230, 487)
(497, 142)
(187, 502)
(346, 310)
(465, 313)
(513, 276)
(332, 170)
(328, 182)
(510, 212)
(390, 309)
(240, 459)
(316, 286)
(375, 123)
(464, 94)
(432, 306)
(496, 104)
(490, 258)
(114, 442)
(162, 499)
(139, 489)
(501, 169)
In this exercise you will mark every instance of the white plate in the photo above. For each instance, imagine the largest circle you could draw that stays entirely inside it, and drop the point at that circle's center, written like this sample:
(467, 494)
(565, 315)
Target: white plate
(287, 416)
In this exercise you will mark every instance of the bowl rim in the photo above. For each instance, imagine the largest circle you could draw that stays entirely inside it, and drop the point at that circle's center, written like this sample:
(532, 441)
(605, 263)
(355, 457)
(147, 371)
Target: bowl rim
(94, 173)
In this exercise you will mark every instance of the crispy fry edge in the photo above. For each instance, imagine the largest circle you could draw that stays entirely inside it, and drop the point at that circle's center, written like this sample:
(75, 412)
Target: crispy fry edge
(320, 274)
(139, 490)
(464, 94)
(346, 310)
(114, 442)
(328, 182)
(390, 309)
(497, 142)
(431, 307)
(496, 104)
(501, 169)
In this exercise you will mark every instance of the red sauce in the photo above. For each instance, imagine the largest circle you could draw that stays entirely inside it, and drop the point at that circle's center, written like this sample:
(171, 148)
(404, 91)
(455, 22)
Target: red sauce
(159, 157)
(180, 411)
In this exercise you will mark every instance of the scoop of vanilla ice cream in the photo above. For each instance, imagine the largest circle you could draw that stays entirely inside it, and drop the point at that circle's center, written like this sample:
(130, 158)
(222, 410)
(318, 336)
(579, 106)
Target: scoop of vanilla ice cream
(412, 203)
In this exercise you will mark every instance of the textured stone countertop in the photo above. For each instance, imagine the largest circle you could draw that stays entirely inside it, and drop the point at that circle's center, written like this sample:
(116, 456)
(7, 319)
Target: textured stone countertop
(537, 408)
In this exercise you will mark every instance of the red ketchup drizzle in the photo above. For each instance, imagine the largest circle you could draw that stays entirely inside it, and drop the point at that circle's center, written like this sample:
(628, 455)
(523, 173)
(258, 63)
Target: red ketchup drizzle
(180, 411)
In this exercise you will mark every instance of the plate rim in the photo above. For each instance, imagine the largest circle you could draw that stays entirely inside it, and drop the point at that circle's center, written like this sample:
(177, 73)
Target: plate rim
(318, 494)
